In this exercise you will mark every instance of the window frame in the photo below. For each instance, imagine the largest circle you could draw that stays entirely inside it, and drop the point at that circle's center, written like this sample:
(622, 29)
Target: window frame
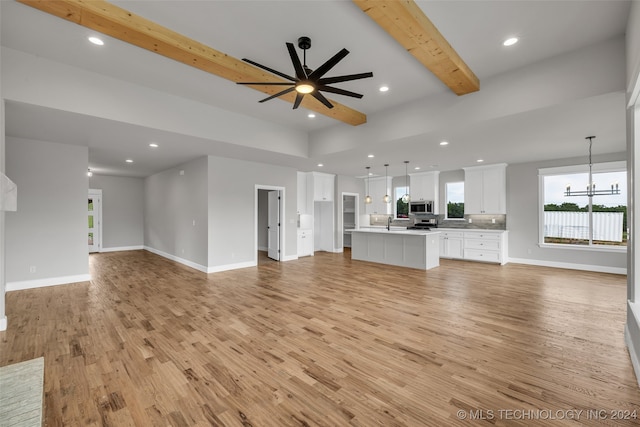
(394, 201)
(617, 166)
(446, 200)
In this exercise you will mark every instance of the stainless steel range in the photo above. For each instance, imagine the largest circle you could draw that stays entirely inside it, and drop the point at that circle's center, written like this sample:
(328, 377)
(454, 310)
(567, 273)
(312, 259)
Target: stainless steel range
(424, 224)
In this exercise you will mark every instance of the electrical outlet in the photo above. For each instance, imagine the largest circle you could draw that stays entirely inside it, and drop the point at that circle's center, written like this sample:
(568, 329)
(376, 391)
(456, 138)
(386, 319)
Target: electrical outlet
(493, 220)
(32, 269)
(470, 220)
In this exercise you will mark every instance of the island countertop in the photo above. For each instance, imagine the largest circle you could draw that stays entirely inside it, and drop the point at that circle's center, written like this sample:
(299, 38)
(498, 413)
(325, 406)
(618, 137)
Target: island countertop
(397, 230)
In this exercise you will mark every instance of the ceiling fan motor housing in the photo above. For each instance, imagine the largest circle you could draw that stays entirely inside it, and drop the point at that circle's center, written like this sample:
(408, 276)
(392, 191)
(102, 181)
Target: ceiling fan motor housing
(304, 42)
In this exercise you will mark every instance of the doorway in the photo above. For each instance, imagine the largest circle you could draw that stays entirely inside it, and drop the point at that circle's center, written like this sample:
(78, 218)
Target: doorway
(269, 223)
(350, 217)
(94, 220)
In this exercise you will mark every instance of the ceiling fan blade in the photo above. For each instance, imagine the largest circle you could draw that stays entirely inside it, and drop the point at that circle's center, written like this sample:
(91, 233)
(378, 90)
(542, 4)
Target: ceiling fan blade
(321, 70)
(340, 91)
(317, 95)
(297, 65)
(271, 70)
(338, 79)
(278, 94)
(267, 83)
(298, 100)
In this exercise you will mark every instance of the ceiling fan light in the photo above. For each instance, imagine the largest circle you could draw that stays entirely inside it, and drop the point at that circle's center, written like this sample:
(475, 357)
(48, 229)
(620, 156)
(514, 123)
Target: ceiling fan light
(305, 87)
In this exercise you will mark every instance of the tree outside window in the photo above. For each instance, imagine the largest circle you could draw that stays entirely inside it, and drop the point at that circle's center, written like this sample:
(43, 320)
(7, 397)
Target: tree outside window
(402, 208)
(455, 200)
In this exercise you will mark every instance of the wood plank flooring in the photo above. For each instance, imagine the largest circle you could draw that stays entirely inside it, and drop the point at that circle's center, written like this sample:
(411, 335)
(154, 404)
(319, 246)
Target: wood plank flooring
(327, 341)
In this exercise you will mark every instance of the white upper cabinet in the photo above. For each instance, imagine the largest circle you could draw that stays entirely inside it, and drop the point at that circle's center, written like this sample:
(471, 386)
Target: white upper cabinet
(378, 187)
(485, 189)
(425, 186)
(322, 186)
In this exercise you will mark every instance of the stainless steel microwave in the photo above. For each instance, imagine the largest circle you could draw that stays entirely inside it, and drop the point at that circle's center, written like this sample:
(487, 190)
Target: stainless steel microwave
(421, 207)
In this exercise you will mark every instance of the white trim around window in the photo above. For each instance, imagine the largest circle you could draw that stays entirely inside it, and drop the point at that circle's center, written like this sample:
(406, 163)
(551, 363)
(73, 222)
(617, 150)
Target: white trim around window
(617, 166)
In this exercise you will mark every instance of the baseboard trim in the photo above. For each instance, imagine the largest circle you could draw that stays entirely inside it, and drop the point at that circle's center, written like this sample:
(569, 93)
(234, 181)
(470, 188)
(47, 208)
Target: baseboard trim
(570, 266)
(183, 261)
(226, 267)
(635, 362)
(211, 269)
(3, 323)
(263, 248)
(50, 281)
(123, 248)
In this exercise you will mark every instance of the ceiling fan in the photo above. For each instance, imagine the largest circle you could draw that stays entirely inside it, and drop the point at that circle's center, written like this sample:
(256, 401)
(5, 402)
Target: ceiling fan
(309, 81)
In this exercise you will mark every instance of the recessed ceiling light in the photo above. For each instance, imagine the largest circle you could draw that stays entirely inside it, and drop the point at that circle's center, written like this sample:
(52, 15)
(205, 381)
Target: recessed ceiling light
(383, 88)
(153, 145)
(311, 115)
(479, 160)
(417, 168)
(444, 143)
(129, 161)
(510, 41)
(320, 165)
(96, 41)
(370, 156)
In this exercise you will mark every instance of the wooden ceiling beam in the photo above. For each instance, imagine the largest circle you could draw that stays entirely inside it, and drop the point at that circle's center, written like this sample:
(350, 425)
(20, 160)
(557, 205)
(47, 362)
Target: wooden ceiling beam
(121, 24)
(409, 26)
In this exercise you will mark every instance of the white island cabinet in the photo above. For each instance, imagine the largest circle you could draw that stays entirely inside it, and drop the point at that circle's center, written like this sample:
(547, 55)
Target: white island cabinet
(404, 248)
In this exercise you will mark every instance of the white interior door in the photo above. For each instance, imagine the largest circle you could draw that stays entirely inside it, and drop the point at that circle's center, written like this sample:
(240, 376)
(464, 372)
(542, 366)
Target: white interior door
(94, 213)
(273, 223)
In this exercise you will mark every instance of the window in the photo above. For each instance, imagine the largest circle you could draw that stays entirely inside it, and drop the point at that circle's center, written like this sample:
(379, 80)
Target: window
(401, 208)
(455, 200)
(570, 217)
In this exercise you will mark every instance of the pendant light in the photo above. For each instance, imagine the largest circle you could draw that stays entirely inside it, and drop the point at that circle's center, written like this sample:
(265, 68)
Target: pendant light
(406, 198)
(367, 198)
(591, 187)
(386, 198)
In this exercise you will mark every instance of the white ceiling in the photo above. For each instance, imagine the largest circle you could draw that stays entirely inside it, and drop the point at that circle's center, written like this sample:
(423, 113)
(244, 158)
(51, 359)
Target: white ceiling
(258, 30)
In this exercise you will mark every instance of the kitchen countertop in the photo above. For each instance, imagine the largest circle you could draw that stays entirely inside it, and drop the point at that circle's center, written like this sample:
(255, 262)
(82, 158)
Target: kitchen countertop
(396, 230)
(484, 230)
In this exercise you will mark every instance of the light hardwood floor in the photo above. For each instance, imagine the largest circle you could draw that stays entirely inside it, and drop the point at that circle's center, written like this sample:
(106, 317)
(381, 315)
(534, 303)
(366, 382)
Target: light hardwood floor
(326, 341)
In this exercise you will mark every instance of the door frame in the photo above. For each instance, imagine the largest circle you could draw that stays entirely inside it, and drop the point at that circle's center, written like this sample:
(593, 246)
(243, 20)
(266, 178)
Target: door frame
(356, 214)
(97, 193)
(283, 221)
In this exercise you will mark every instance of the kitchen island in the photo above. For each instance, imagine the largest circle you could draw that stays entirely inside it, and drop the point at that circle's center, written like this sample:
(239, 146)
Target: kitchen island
(405, 248)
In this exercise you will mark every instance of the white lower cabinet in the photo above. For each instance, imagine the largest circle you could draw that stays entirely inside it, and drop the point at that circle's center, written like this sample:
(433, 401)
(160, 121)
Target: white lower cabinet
(305, 243)
(474, 245)
(451, 244)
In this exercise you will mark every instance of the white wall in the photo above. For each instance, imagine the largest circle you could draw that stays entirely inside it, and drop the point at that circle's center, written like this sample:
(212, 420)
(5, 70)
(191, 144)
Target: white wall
(632, 327)
(39, 81)
(173, 203)
(522, 221)
(122, 211)
(584, 73)
(232, 196)
(49, 229)
(3, 317)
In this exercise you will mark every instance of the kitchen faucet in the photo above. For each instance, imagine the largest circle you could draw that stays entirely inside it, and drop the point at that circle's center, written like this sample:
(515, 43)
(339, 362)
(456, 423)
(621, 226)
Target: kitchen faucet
(388, 223)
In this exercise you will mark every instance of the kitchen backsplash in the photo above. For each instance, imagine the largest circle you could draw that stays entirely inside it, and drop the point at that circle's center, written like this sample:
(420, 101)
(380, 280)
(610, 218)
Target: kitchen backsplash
(478, 221)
